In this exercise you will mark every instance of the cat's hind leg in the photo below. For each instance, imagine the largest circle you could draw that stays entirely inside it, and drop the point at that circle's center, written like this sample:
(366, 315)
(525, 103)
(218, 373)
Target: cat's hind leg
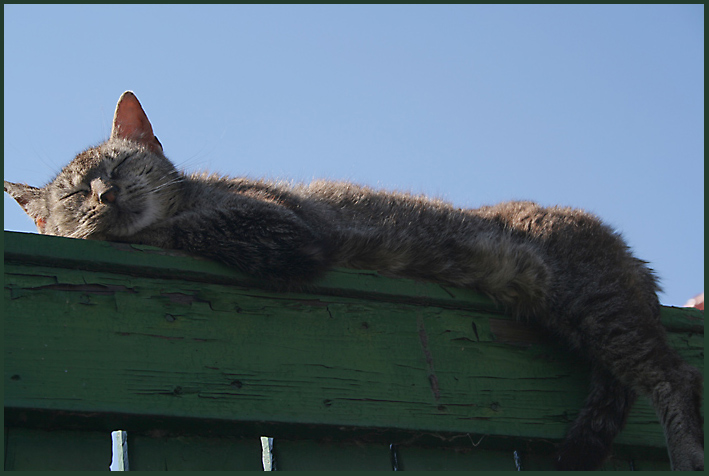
(677, 403)
(636, 353)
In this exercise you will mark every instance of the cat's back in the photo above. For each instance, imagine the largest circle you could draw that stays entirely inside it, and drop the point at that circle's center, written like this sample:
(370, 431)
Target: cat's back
(570, 237)
(588, 258)
(339, 202)
(351, 204)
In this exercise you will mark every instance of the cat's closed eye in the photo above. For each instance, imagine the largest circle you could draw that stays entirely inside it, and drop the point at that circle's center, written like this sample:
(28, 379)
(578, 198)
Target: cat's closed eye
(83, 192)
(119, 164)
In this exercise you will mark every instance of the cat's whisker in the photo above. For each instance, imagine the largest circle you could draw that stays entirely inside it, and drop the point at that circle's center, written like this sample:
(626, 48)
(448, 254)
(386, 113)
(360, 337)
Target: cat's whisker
(165, 185)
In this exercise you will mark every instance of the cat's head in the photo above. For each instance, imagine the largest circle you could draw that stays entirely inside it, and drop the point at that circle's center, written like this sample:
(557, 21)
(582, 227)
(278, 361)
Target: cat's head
(110, 191)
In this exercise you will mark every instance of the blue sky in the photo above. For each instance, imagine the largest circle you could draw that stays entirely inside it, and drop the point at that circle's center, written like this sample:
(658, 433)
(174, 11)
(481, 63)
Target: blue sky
(596, 107)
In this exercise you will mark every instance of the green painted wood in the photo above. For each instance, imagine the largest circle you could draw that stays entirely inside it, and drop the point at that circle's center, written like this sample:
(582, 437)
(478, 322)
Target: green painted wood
(537, 459)
(41, 450)
(102, 328)
(447, 459)
(193, 453)
(305, 455)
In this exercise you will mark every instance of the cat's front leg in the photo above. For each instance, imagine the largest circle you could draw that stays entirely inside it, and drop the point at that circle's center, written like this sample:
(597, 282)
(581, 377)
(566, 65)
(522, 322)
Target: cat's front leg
(263, 241)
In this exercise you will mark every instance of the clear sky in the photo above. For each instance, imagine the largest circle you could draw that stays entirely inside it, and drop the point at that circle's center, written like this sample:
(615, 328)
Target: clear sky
(596, 107)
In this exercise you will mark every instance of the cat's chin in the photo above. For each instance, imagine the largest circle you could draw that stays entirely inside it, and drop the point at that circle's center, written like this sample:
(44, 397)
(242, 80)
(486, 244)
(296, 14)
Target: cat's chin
(120, 230)
(126, 222)
(125, 232)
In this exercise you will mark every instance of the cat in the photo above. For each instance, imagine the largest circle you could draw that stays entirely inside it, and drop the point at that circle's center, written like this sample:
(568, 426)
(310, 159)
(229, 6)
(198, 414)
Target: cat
(562, 268)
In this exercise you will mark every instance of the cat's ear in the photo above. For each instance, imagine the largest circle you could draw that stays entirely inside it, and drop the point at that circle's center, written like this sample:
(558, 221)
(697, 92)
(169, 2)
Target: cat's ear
(31, 199)
(130, 122)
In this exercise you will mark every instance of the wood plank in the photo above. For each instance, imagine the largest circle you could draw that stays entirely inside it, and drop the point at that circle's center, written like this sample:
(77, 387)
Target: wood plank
(305, 455)
(193, 453)
(140, 260)
(450, 459)
(41, 450)
(98, 327)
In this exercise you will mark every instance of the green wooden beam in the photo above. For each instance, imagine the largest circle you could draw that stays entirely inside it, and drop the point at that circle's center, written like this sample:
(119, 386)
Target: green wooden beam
(97, 328)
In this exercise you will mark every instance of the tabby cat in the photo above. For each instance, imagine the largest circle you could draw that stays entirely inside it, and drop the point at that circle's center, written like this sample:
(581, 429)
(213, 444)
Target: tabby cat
(561, 267)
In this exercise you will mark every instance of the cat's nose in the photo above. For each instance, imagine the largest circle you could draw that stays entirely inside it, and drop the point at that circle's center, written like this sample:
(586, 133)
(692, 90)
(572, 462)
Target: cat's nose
(104, 190)
(108, 195)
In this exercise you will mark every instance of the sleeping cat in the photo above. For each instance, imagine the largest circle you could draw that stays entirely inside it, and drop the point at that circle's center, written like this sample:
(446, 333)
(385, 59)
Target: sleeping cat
(560, 267)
